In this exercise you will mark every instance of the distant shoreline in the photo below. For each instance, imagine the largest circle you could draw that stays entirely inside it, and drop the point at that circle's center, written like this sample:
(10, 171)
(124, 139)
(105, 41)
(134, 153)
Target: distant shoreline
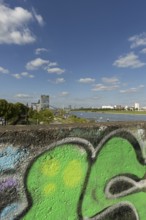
(113, 112)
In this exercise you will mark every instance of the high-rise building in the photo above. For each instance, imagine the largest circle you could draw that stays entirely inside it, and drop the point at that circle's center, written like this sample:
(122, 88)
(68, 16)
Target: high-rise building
(44, 102)
(137, 106)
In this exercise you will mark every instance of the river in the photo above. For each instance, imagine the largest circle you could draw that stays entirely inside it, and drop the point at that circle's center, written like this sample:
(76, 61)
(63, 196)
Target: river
(104, 117)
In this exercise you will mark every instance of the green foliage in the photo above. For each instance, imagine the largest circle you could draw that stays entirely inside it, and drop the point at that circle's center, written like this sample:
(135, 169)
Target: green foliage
(20, 109)
(75, 119)
(45, 116)
(33, 114)
(12, 112)
(18, 113)
(3, 107)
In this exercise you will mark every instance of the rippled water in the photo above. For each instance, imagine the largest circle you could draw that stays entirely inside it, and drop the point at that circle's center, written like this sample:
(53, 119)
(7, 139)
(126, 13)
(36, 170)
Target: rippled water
(103, 117)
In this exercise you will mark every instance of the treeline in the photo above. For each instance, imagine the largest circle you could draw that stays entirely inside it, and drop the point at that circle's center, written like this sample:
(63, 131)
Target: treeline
(99, 109)
(18, 113)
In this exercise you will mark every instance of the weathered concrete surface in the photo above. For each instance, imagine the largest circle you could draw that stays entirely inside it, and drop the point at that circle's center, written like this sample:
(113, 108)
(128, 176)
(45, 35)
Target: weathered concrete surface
(81, 171)
(42, 135)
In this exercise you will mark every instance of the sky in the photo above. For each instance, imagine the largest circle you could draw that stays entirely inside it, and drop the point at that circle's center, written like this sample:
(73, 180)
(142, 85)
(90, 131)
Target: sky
(83, 53)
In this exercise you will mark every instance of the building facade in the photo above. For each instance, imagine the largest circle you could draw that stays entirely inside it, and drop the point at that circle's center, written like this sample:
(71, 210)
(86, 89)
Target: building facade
(137, 106)
(44, 102)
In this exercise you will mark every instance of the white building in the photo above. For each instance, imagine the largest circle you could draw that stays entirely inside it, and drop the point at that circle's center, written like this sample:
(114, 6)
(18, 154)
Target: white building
(126, 107)
(107, 107)
(35, 106)
(136, 106)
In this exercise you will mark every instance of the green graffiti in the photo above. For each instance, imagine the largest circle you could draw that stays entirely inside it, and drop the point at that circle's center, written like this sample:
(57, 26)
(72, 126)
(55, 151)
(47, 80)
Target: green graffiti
(116, 158)
(57, 179)
(55, 182)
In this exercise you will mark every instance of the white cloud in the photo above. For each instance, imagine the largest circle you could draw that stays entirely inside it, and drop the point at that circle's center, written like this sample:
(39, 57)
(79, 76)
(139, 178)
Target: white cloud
(36, 64)
(38, 17)
(50, 67)
(130, 60)
(3, 70)
(56, 70)
(40, 50)
(63, 94)
(22, 75)
(31, 76)
(26, 74)
(111, 80)
(138, 40)
(17, 76)
(141, 86)
(51, 64)
(23, 96)
(86, 80)
(102, 87)
(14, 25)
(143, 50)
(132, 90)
(59, 80)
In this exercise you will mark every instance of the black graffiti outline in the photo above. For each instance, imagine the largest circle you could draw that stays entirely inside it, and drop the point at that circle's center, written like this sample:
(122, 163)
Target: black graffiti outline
(80, 142)
(110, 209)
(122, 133)
(93, 156)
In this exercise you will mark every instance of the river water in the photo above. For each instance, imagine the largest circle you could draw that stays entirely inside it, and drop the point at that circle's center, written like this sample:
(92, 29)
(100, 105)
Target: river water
(104, 117)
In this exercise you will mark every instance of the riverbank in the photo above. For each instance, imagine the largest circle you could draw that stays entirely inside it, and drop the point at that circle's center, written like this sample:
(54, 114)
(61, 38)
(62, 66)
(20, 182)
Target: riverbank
(109, 116)
(113, 111)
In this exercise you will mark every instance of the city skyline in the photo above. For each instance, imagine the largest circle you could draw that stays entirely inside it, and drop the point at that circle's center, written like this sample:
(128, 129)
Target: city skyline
(81, 53)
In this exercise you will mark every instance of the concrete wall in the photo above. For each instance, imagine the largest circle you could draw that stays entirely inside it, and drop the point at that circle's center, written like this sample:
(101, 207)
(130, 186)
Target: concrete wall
(73, 172)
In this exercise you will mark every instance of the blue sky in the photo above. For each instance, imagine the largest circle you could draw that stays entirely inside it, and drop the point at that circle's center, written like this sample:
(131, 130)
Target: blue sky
(84, 53)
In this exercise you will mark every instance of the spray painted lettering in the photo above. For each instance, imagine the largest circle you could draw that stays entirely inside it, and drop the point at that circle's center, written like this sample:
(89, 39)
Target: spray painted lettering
(71, 179)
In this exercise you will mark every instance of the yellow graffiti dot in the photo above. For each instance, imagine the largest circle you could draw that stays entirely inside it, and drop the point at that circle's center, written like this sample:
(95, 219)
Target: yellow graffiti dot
(50, 188)
(50, 167)
(72, 173)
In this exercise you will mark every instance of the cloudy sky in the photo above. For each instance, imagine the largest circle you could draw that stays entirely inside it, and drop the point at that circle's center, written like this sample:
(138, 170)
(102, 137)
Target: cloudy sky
(80, 52)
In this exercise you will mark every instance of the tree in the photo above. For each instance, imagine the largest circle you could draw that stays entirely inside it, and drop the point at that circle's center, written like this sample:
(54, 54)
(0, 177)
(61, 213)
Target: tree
(10, 112)
(33, 116)
(21, 109)
(46, 116)
(3, 107)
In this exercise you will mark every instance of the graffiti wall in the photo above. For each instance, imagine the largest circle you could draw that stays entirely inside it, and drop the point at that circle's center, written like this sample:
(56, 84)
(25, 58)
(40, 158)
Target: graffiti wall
(101, 177)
